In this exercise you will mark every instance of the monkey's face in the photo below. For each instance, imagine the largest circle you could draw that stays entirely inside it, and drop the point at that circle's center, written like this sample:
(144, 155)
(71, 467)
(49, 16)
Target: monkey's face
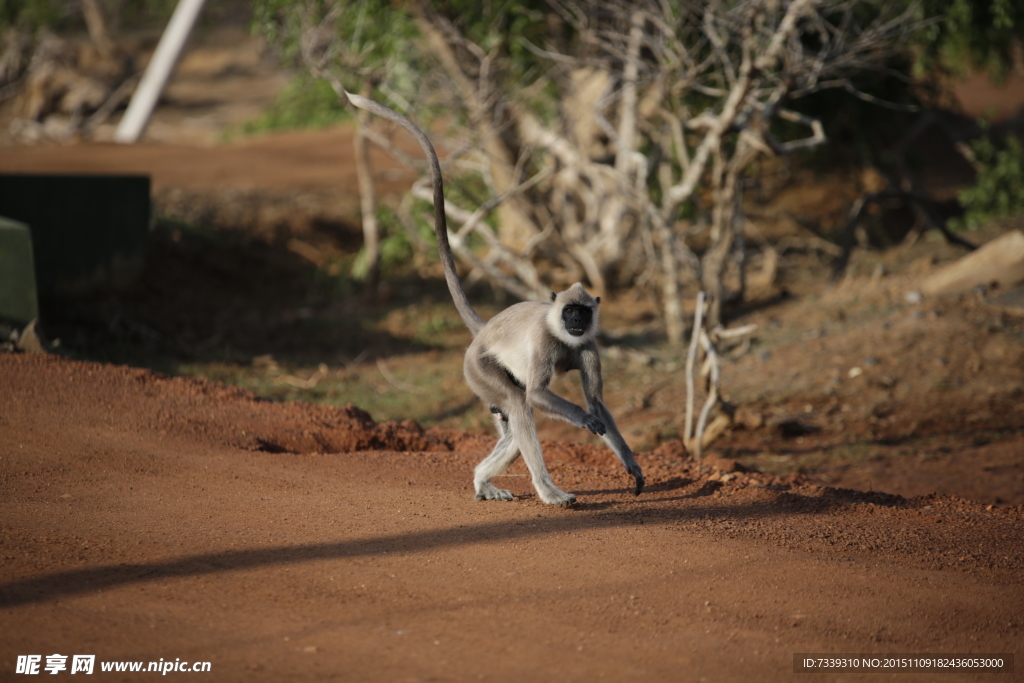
(577, 319)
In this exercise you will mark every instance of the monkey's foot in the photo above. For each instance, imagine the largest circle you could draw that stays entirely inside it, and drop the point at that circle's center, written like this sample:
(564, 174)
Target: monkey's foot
(554, 496)
(488, 491)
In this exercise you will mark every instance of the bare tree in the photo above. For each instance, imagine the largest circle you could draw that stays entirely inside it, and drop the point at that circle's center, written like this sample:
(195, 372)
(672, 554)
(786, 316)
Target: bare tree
(658, 100)
(659, 109)
(708, 339)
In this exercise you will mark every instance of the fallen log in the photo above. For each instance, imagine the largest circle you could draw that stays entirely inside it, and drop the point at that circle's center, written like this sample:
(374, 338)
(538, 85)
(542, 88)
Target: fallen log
(999, 263)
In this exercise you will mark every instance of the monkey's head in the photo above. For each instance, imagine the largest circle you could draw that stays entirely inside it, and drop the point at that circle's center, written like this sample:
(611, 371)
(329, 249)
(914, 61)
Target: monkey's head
(573, 315)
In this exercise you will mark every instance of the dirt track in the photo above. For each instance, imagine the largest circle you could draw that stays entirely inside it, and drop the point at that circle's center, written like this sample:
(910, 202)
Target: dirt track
(141, 520)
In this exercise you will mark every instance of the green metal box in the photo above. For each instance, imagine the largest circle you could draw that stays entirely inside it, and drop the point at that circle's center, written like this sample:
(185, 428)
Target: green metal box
(18, 301)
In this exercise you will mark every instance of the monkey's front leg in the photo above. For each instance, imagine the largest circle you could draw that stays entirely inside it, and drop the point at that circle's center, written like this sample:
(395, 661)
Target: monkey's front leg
(550, 403)
(618, 444)
(590, 376)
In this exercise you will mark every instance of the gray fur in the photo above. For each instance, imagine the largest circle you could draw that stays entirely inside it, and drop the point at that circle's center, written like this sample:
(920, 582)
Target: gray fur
(513, 358)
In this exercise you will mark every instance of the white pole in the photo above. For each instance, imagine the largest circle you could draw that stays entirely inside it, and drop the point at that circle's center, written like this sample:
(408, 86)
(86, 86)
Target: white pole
(159, 70)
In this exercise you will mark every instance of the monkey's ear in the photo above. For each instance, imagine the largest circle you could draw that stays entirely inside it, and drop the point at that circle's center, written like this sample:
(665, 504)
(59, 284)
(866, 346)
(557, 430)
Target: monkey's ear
(598, 299)
(553, 296)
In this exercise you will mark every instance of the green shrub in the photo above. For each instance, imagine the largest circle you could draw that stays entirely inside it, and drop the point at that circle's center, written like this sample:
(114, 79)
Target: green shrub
(998, 191)
(306, 102)
(32, 15)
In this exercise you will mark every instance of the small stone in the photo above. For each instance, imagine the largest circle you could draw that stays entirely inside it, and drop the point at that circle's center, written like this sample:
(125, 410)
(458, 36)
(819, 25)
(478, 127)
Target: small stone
(29, 340)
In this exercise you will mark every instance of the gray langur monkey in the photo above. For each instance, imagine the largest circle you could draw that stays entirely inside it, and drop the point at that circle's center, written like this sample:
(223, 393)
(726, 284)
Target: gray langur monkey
(514, 356)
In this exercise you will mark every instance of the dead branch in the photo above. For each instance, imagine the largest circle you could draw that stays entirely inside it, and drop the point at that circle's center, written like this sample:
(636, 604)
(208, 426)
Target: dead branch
(367, 198)
(691, 359)
(396, 382)
(712, 370)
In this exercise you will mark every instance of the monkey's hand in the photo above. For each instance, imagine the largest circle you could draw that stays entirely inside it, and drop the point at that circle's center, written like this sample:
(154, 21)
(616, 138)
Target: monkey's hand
(638, 475)
(594, 424)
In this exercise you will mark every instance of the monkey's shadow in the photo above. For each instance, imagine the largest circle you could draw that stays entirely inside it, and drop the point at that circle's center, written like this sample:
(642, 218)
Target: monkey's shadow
(667, 486)
(672, 484)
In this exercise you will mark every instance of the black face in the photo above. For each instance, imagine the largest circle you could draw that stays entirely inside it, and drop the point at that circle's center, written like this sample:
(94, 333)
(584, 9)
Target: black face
(577, 319)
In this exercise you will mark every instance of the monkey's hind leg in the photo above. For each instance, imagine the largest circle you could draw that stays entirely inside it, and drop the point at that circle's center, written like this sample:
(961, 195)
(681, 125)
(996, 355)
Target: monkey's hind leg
(522, 428)
(503, 455)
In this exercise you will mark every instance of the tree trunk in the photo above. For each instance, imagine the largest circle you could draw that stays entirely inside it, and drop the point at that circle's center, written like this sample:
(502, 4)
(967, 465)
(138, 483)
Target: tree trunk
(97, 26)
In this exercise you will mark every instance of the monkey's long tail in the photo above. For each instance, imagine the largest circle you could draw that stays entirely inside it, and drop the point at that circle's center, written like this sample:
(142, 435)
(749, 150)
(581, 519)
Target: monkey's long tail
(469, 316)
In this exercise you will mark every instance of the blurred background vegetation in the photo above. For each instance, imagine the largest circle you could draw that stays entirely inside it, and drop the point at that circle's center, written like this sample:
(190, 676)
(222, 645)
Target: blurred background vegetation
(474, 73)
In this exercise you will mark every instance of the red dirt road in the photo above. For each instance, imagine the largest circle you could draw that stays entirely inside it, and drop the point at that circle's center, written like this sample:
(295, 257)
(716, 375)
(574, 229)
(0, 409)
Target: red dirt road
(143, 517)
(301, 159)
